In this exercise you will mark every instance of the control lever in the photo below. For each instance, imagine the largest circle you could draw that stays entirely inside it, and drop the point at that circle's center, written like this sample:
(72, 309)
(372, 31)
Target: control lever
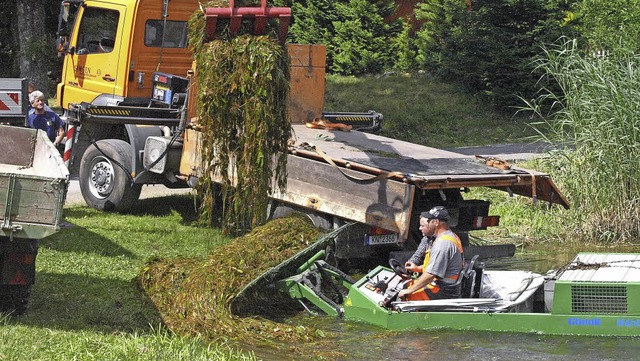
(390, 297)
(381, 286)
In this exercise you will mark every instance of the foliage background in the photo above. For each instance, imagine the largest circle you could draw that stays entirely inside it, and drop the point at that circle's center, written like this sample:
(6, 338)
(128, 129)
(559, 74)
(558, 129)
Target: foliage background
(487, 46)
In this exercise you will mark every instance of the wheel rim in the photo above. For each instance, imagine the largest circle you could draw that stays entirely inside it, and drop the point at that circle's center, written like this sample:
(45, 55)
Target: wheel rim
(101, 178)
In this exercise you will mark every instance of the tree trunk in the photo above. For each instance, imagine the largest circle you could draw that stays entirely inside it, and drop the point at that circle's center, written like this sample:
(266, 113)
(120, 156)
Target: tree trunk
(35, 50)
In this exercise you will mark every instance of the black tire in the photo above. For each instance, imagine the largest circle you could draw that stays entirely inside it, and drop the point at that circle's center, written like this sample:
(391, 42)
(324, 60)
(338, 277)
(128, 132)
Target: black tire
(14, 299)
(318, 219)
(105, 185)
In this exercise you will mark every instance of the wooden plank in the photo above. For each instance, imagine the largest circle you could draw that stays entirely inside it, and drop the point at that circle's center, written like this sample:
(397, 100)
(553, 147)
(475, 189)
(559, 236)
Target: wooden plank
(311, 184)
(306, 95)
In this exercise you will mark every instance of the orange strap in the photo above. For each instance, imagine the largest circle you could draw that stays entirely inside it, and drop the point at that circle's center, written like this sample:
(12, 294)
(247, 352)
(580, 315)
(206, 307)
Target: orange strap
(448, 237)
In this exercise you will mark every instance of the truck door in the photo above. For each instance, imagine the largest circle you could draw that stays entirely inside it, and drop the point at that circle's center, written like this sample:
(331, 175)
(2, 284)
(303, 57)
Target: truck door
(91, 69)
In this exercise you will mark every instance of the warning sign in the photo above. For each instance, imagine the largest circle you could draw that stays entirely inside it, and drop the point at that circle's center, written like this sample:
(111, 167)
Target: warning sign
(11, 102)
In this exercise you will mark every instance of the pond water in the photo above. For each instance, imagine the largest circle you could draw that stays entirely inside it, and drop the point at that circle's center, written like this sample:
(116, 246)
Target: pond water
(359, 341)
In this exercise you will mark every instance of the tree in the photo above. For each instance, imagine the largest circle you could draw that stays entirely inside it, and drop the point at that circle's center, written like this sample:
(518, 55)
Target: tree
(35, 49)
(27, 41)
(8, 37)
(610, 24)
(354, 31)
(488, 48)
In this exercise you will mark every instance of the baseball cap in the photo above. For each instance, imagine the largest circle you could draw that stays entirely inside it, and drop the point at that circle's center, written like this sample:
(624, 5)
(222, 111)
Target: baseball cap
(438, 212)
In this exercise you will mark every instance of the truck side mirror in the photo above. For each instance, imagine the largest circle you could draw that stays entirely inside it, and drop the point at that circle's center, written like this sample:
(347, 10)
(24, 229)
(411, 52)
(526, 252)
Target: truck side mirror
(64, 13)
(62, 44)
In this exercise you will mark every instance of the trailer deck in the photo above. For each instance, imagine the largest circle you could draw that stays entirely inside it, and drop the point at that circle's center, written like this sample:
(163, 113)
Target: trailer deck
(422, 166)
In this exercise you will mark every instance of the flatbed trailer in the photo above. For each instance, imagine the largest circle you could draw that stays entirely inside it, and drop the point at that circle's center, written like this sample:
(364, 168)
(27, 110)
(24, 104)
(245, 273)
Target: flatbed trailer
(382, 184)
(403, 169)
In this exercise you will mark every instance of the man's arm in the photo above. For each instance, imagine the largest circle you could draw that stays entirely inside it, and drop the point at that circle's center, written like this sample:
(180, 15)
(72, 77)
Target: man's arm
(420, 283)
(417, 259)
(60, 125)
(59, 137)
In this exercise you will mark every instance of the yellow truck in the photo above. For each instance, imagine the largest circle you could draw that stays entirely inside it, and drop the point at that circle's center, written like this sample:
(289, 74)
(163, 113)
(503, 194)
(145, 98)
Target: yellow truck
(124, 90)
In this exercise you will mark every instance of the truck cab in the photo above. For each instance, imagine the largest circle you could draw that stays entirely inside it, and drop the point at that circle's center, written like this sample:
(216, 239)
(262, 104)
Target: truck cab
(114, 47)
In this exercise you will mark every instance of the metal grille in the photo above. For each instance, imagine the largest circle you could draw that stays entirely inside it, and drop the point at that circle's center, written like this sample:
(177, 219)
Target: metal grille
(598, 299)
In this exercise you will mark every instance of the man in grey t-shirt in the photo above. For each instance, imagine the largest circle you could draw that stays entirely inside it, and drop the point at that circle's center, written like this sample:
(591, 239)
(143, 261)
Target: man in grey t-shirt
(442, 263)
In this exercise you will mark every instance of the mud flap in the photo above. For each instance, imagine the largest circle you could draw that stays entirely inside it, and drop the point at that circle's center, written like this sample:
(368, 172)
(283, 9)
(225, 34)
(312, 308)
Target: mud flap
(18, 262)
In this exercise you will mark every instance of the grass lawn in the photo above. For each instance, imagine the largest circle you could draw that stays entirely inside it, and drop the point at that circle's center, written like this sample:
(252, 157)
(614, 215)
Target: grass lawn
(86, 303)
(418, 109)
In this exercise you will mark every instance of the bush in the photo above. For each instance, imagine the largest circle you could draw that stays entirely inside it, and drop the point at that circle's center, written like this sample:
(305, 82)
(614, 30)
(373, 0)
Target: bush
(354, 32)
(609, 23)
(488, 48)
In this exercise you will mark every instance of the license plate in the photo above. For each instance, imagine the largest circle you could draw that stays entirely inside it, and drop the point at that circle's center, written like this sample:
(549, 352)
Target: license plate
(380, 239)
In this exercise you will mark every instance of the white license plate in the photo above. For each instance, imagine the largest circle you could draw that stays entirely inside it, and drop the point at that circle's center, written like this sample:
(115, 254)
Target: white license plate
(380, 239)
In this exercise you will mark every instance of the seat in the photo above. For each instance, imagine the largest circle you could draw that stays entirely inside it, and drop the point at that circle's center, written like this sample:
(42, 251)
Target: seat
(469, 278)
(473, 282)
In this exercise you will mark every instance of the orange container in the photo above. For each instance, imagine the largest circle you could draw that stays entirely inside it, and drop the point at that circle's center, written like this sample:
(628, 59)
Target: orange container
(306, 97)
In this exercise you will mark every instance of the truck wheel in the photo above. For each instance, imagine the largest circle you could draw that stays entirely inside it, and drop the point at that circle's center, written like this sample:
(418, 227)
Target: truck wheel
(105, 185)
(14, 298)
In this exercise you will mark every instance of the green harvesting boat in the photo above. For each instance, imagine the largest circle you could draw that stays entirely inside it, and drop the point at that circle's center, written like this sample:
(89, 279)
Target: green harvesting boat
(595, 294)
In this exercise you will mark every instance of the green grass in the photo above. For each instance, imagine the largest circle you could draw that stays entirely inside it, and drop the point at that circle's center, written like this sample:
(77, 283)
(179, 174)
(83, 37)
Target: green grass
(418, 109)
(38, 343)
(86, 303)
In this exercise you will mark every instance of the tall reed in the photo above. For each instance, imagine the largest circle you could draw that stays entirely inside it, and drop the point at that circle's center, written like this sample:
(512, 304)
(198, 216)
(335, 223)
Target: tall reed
(595, 118)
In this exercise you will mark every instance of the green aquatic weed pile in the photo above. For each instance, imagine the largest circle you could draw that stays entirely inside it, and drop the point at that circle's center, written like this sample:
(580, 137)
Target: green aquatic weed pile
(243, 88)
(194, 295)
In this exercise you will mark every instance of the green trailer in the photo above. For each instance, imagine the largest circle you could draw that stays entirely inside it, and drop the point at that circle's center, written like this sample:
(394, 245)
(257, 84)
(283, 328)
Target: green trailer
(33, 186)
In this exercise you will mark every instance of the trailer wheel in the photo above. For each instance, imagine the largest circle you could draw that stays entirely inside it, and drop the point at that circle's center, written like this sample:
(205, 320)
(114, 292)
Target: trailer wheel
(14, 298)
(105, 185)
(317, 219)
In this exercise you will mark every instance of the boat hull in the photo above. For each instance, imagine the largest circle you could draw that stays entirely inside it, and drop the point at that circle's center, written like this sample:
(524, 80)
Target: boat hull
(538, 323)
(518, 301)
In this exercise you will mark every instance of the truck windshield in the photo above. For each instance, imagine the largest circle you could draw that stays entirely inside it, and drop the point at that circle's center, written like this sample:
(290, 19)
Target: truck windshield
(97, 32)
(175, 34)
